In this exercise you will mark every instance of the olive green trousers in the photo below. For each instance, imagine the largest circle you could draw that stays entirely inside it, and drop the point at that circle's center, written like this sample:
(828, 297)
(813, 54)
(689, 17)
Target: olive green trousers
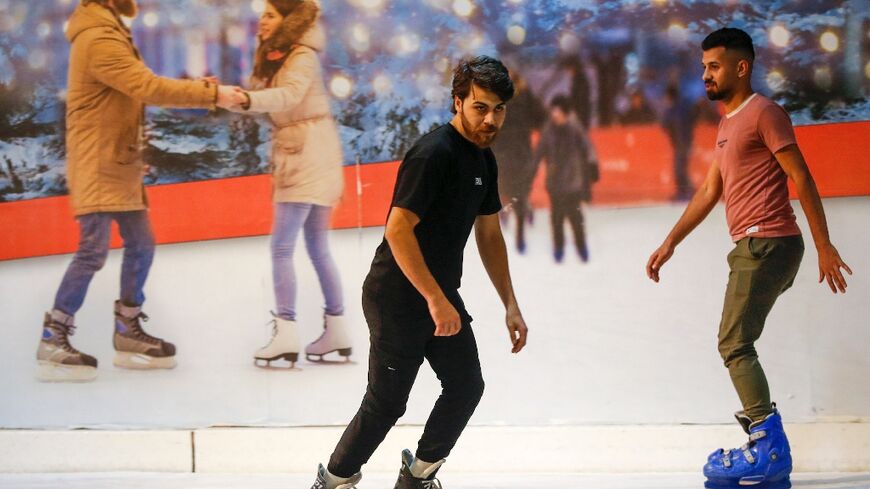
(761, 270)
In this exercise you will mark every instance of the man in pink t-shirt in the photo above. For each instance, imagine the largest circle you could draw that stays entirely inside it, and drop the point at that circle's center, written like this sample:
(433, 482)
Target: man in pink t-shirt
(756, 153)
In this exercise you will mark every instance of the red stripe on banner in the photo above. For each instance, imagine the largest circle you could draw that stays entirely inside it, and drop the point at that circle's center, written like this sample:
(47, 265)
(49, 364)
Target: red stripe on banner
(636, 167)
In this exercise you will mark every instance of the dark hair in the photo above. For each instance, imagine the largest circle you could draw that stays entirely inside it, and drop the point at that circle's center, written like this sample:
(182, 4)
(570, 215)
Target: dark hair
(305, 13)
(730, 38)
(285, 7)
(562, 102)
(485, 72)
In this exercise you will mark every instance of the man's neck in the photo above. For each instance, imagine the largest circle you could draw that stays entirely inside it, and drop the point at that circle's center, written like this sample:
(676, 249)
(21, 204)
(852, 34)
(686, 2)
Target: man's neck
(457, 124)
(736, 100)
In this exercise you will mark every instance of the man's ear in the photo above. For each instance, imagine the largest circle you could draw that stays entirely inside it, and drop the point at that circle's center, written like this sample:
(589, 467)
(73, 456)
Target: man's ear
(743, 68)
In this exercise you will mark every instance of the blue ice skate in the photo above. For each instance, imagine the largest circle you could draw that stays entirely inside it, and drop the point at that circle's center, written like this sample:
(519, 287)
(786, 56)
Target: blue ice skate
(763, 462)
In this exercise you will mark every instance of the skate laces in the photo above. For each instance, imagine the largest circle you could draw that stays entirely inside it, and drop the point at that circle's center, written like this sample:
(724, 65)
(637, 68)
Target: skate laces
(64, 332)
(138, 332)
(274, 323)
(432, 484)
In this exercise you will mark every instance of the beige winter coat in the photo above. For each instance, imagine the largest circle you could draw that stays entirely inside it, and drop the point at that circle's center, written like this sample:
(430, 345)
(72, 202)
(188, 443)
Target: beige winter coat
(306, 149)
(107, 88)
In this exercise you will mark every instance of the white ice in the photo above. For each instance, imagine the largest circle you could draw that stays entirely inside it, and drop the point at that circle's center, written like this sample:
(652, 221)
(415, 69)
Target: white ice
(607, 345)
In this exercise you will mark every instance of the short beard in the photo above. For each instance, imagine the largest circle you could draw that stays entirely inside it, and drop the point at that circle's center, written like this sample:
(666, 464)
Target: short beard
(480, 140)
(718, 94)
(127, 8)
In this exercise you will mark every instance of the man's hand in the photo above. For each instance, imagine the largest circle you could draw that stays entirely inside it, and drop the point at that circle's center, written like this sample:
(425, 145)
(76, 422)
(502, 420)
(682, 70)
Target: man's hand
(657, 260)
(230, 96)
(447, 321)
(830, 264)
(517, 329)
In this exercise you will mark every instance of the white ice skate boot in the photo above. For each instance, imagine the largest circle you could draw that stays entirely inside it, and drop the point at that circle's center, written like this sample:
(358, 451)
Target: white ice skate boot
(335, 338)
(284, 344)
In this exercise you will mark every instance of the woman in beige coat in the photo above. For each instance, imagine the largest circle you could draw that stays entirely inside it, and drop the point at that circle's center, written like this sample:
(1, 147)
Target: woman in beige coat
(307, 176)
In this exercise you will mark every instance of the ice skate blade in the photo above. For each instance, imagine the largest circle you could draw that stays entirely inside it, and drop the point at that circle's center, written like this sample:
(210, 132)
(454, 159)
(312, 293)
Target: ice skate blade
(780, 484)
(290, 357)
(55, 372)
(318, 357)
(140, 361)
(268, 366)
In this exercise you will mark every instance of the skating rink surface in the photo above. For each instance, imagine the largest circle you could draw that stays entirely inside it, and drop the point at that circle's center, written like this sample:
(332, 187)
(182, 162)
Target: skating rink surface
(386, 481)
(606, 344)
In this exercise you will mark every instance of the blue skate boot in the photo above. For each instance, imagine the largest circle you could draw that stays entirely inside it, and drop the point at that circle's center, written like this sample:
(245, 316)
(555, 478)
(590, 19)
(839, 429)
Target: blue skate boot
(764, 461)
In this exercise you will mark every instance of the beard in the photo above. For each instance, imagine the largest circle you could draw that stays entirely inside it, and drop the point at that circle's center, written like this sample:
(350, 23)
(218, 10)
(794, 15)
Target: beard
(714, 93)
(127, 8)
(482, 137)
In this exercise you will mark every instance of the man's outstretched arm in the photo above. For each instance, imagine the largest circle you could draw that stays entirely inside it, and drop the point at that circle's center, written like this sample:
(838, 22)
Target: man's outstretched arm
(493, 253)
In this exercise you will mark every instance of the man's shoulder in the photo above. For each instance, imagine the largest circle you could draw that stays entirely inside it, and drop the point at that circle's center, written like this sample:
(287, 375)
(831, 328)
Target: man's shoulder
(763, 103)
(436, 143)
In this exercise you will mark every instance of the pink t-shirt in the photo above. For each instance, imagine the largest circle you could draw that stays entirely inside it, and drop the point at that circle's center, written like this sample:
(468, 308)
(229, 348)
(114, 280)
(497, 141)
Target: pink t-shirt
(754, 185)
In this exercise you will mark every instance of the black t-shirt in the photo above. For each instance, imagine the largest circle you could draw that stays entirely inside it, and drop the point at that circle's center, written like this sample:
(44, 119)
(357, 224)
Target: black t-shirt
(447, 181)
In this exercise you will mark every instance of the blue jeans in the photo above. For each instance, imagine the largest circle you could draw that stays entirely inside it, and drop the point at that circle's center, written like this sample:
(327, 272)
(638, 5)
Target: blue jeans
(94, 231)
(290, 217)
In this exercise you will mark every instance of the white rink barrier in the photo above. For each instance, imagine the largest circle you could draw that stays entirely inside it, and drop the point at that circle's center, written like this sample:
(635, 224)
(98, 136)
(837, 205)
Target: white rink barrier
(816, 447)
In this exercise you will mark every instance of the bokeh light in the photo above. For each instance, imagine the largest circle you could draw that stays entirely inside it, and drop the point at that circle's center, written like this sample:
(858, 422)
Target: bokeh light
(829, 42)
(151, 19)
(779, 36)
(463, 8)
(258, 6)
(360, 39)
(678, 33)
(341, 86)
(516, 34)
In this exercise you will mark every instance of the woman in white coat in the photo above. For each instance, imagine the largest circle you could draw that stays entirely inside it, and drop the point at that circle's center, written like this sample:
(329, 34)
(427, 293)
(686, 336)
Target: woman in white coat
(307, 176)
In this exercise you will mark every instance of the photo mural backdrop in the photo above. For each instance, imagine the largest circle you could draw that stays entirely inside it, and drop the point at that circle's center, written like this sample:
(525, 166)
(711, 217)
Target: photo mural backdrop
(595, 353)
(388, 66)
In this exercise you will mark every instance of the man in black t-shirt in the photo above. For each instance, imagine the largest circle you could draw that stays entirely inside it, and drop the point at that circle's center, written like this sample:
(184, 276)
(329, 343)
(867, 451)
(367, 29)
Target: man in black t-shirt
(446, 185)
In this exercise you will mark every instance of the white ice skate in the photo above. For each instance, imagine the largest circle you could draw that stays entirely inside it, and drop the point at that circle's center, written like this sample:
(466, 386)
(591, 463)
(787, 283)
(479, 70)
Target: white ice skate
(283, 345)
(335, 338)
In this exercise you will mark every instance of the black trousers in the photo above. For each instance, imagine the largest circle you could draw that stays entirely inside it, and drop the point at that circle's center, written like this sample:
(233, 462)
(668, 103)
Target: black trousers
(400, 341)
(521, 208)
(564, 207)
(682, 151)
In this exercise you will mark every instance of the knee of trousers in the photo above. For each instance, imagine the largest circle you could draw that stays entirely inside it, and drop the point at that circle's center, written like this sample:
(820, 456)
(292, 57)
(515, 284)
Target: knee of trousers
(319, 255)
(282, 250)
(384, 409)
(735, 354)
(142, 247)
(92, 259)
(470, 390)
